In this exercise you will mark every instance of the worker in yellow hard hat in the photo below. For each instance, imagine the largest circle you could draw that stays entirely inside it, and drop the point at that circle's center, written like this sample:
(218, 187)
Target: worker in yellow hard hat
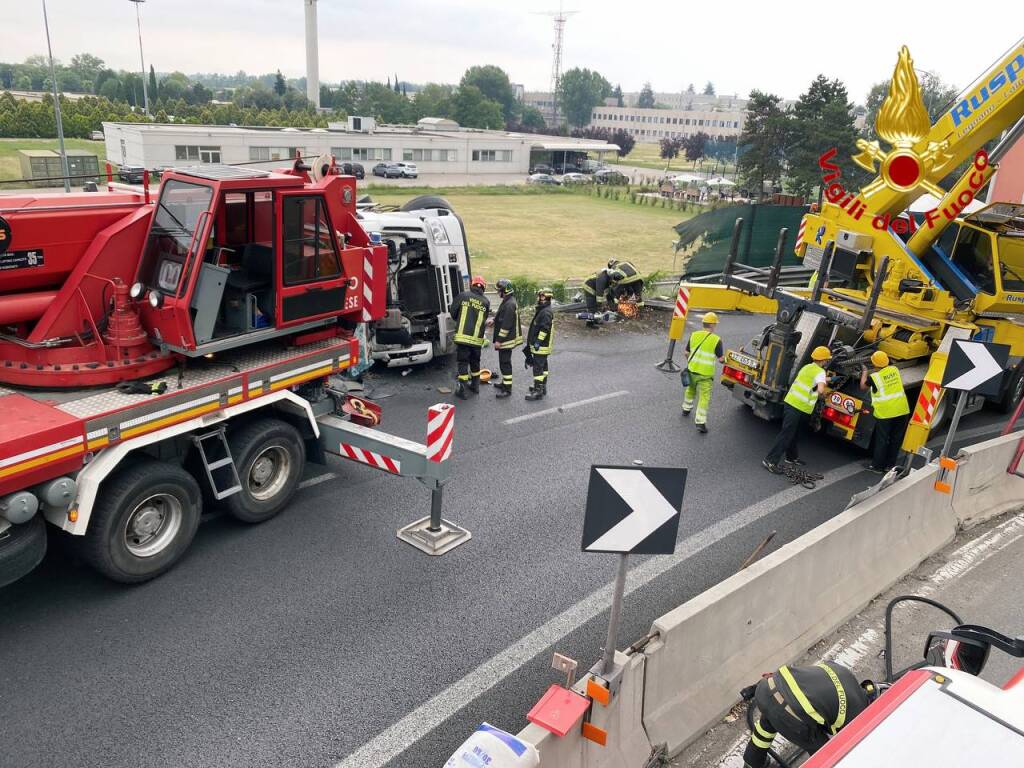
(702, 349)
(890, 409)
(799, 404)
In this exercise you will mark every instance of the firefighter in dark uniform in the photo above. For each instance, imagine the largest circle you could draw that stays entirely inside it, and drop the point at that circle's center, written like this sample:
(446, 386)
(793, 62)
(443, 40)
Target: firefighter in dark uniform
(508, 334)
(624, 280)
(594, 288)
(469, 310)
(538, 344)
(806, 705)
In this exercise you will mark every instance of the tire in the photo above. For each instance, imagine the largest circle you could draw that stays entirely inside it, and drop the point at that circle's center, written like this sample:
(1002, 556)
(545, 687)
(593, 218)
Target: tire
(145, 517)
(427, 201)
(269, 455)
(22, 548)
(1014, 393)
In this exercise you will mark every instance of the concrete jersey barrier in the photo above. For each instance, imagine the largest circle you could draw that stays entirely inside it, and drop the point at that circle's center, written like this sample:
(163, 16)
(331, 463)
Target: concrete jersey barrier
(705, 650)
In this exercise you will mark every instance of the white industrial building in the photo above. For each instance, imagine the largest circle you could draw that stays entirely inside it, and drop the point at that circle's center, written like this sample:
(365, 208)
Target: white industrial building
(436, 146)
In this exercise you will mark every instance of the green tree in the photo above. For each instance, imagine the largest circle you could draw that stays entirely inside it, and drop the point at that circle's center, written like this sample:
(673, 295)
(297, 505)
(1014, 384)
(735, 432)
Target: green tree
(696, 146)
(624, 140)
(822, 120)
(646, 98)
(762, 143)
(579, 92)
(474, 110)
(432, 100)
(111, 89)
(154, 89)
(87, 66)
(494, 84)
(709, 89)
(279, 85)
(532, 120)
(668, 150)
(617, 95)
(689, 88)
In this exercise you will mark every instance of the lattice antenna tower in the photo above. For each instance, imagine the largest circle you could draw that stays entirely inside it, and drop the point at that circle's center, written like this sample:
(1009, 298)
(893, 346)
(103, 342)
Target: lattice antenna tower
(560, 16)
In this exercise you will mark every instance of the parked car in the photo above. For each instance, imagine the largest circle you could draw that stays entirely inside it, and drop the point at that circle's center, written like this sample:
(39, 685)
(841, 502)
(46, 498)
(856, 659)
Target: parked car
(408, 170)
(569, 168)
(609, 176)
(591, 166)
(131, 174)
(576, 178)
(387, 170)
(542, 178)
(542, 168)
(96, 135)
(353, 169)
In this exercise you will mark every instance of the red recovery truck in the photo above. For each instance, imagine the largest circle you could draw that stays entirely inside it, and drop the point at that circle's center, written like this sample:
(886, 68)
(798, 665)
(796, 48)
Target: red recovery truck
(159, 355)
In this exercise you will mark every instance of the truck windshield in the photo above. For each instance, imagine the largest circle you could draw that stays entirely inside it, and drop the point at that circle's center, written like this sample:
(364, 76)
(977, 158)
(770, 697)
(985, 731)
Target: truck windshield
(1011, 262)
(174, 224)
(973, 255)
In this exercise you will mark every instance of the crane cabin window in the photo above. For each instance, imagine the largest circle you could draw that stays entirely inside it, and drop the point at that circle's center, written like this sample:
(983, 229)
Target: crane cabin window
(177, 216)
(972, 254)
(309, 250)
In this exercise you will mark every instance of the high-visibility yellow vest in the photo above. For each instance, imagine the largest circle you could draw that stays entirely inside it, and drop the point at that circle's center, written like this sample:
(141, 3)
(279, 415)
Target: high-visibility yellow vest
(889, 400)
(802, 394)
(813, 280)
(702, 353)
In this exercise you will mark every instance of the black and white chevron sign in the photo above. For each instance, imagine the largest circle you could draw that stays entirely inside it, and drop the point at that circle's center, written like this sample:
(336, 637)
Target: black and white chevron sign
(633, 510)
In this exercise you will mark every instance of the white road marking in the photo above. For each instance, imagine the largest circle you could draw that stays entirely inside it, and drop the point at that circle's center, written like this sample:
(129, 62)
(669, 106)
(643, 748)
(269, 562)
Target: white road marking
(311, 481)
(397, 738)
(566, 407)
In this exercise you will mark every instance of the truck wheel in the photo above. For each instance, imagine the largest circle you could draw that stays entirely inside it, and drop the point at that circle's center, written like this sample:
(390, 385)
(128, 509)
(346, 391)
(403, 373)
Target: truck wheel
(145, 517)
(269, 455)
(22, 548)
(1014, 393)
(424, 202)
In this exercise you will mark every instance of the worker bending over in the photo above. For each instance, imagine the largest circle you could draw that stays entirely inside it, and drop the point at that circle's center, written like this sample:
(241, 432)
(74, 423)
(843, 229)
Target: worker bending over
(594, 288)
(538, 344)
(805, 705)
(702, 349)
(624, 280)
(800, 402)
(508, 334)
(469, 309)
(890, 406)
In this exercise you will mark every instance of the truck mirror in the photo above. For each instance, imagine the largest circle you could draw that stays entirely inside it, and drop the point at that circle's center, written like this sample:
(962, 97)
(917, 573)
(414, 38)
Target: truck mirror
(911, 285)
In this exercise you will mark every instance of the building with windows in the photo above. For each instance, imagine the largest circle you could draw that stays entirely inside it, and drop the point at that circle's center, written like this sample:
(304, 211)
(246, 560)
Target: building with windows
(437, 146)
(653, 125)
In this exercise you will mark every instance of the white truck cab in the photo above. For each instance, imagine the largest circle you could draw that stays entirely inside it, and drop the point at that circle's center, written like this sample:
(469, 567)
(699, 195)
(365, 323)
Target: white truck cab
(428, 265)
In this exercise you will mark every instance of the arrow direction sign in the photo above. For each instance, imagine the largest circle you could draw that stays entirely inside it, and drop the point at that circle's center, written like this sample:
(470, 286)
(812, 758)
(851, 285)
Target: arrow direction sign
(976, 367)
(633, 510)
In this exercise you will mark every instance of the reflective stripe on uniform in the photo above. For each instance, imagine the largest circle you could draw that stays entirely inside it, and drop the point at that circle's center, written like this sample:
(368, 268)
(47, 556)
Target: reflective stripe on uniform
(803, 393)
(840, 720)
(702, 353)
(800, 696)
(889, 400)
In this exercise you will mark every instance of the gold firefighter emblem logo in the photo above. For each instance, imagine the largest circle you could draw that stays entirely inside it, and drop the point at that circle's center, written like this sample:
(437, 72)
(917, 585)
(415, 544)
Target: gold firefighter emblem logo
(904, 123)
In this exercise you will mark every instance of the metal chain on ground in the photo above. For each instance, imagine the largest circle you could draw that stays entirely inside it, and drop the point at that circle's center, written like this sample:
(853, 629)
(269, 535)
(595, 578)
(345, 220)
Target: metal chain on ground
(799, 476)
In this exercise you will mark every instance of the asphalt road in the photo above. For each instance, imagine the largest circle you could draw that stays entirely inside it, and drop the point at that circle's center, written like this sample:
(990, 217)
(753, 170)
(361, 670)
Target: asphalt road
(297, 642)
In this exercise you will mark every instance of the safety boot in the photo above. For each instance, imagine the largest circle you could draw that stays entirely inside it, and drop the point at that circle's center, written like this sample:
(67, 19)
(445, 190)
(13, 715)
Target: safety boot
(474, 385)
(502, 390)
(460, 391)
(537, 392)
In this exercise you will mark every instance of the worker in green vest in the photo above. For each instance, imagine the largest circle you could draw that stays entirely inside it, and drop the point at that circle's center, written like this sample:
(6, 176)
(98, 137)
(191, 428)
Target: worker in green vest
(890, 406)
(702, 349)
(799, 404)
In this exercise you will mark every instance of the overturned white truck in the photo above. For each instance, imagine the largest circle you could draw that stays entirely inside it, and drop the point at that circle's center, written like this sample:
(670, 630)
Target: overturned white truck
(428, 265)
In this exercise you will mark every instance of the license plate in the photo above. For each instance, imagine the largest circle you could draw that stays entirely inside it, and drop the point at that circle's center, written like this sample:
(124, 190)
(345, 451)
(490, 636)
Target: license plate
(744, 360)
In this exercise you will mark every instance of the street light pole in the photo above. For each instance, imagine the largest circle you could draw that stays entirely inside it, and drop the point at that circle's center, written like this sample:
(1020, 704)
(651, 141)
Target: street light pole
(56, 106)
(142, 61)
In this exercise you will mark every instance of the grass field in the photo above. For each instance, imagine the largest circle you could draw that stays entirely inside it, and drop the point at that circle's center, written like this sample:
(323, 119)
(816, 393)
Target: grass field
(556, 235)
(647, 156)
(11, 169)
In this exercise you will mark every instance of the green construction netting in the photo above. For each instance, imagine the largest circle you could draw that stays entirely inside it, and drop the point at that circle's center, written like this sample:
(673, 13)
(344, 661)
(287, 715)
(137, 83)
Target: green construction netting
(704, 240)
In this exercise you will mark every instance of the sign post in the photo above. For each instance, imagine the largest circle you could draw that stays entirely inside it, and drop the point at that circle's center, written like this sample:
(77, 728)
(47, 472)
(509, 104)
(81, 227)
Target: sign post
(630, 510)
(676, 328)
(973, 368)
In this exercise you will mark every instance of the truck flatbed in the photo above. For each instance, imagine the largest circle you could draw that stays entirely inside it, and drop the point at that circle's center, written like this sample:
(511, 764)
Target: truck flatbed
(39, 428)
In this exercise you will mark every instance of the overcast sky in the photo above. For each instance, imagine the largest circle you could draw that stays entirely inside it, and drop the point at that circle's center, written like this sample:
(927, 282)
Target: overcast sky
(777, 46)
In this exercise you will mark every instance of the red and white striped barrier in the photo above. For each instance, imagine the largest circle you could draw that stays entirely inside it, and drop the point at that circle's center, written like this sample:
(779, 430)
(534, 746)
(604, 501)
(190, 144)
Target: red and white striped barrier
(801, 230)
(440, 431)
(376, 460)
(367, 288)
(682, 302)
(927, 402)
